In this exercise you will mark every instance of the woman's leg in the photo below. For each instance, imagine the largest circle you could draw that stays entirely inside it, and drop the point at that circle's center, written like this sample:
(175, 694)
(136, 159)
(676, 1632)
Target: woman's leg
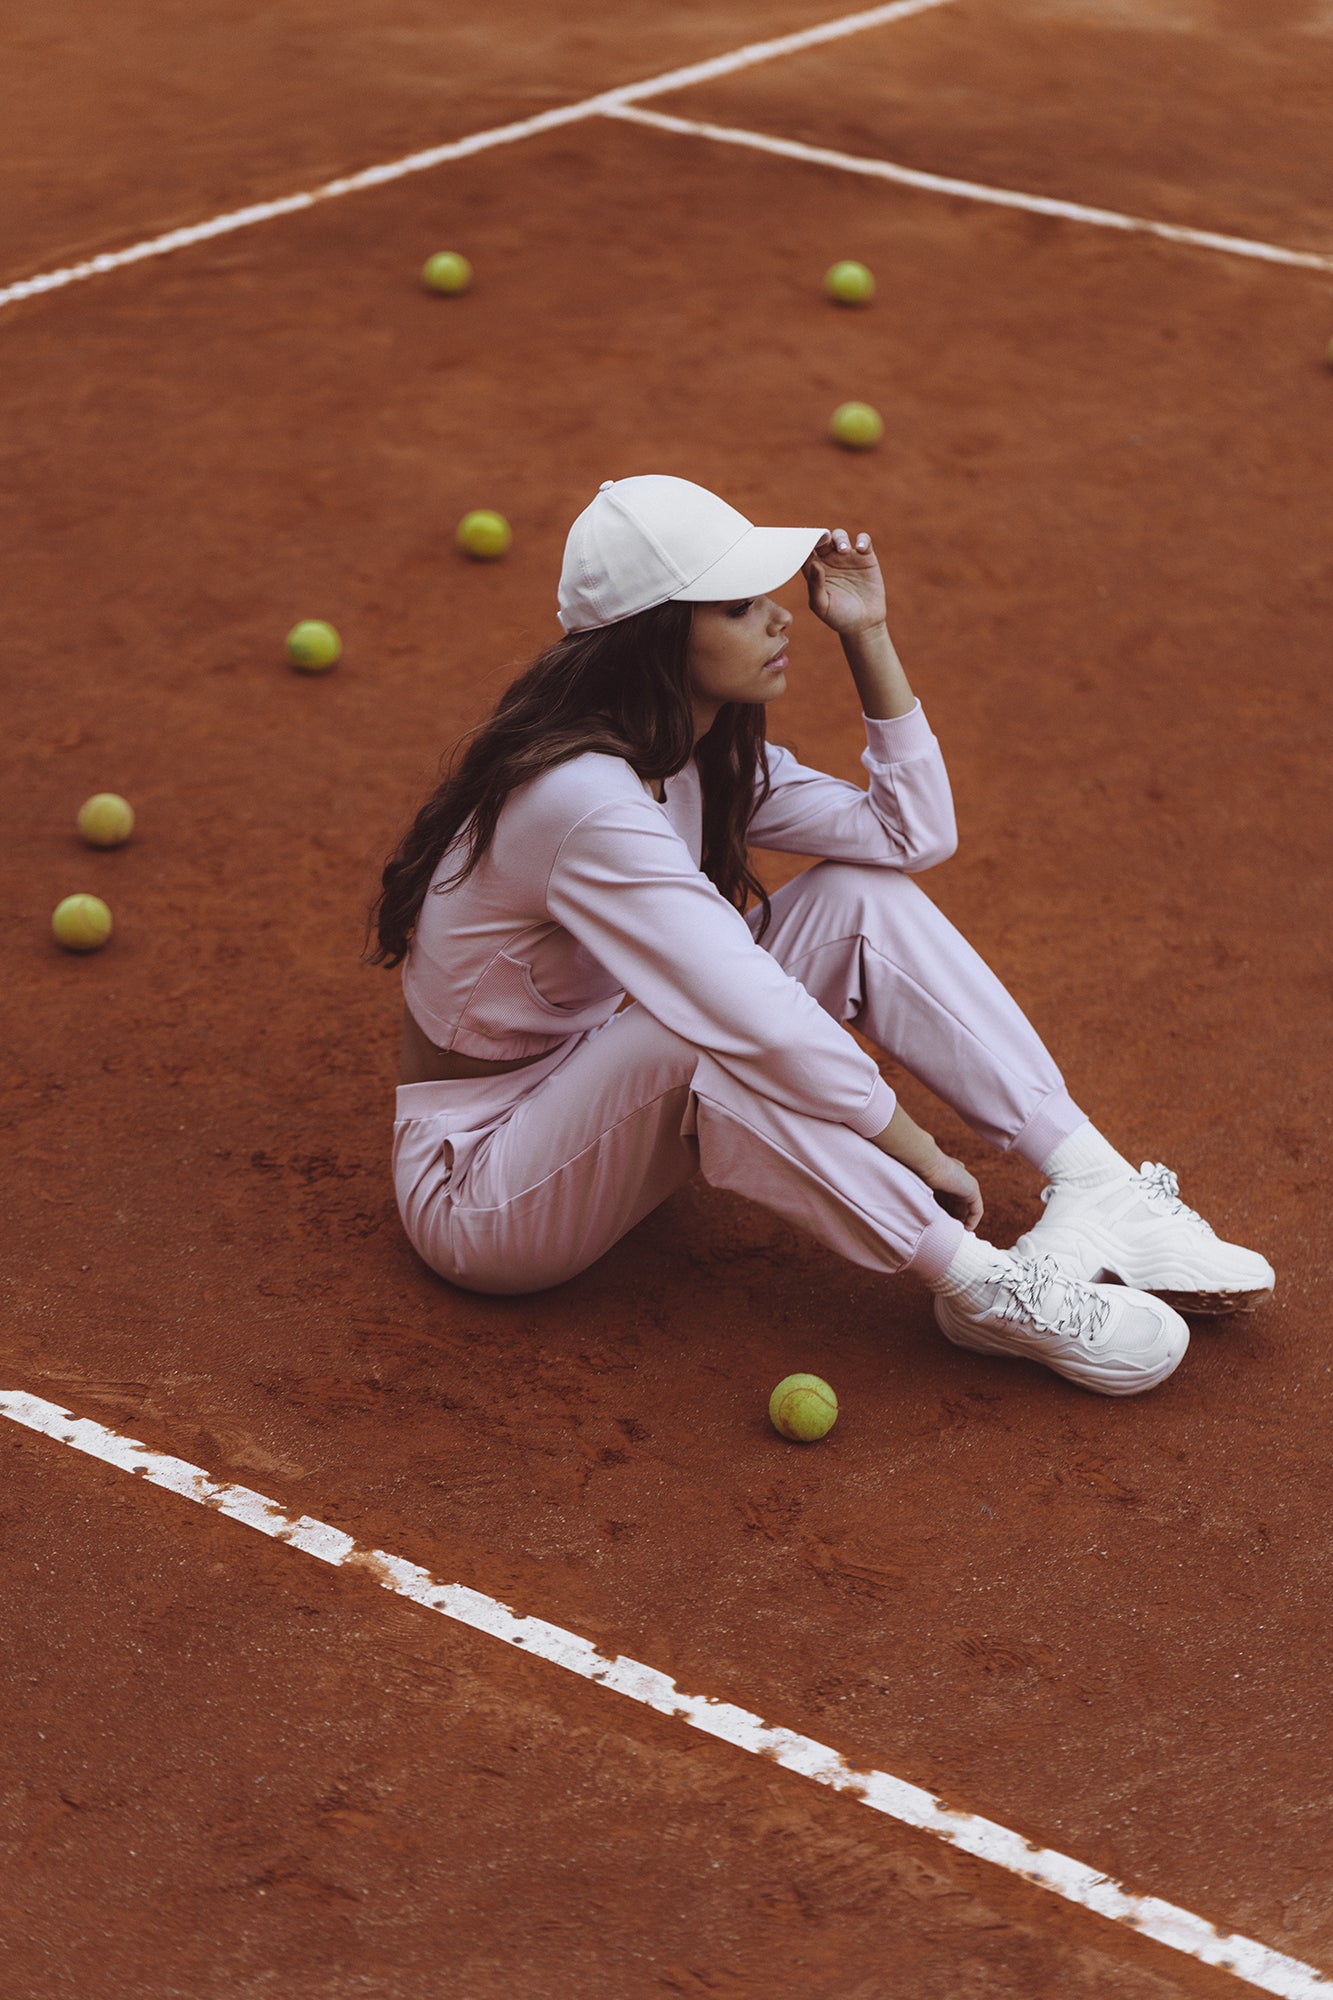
(874, 950)
(626, 1120)
(591, 1148)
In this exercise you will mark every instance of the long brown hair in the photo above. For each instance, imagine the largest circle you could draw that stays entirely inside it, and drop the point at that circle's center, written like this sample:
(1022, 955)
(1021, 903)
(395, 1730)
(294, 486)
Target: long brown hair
(624, 690)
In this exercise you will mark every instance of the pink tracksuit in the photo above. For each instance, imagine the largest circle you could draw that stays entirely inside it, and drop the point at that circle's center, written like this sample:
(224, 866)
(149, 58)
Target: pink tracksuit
(730, 1057)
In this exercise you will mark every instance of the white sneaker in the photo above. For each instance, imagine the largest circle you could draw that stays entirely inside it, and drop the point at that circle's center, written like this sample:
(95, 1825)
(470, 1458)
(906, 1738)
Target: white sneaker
(1115, 1341)
(1140, 1231)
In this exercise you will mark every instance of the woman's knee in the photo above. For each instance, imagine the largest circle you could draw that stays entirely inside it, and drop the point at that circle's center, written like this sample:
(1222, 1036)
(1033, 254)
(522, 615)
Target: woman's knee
(857, 888)
(845, 900)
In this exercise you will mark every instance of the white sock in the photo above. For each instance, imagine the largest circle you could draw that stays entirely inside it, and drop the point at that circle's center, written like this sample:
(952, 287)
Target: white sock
(1087, 1160)
(973, 1263)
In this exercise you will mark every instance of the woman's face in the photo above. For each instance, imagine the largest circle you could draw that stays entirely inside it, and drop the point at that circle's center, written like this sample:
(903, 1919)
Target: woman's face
(737, 652)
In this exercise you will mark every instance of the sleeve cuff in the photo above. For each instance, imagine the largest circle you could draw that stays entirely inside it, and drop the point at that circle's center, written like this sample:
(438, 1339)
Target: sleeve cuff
(901, 736)
(875, 1113)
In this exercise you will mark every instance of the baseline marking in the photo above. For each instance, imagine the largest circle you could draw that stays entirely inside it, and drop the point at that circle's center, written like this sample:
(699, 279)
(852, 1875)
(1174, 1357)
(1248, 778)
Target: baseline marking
(1258, 1965)
(1035, 204)
(461, 149)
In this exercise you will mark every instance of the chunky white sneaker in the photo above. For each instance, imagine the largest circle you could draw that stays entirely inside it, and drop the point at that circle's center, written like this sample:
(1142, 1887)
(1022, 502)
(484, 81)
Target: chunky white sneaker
(1115, 1341)
(1140, 1231)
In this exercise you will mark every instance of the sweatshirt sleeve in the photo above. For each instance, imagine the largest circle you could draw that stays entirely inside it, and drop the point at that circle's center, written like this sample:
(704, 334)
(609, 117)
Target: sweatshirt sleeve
(626, 886)
(905, 820)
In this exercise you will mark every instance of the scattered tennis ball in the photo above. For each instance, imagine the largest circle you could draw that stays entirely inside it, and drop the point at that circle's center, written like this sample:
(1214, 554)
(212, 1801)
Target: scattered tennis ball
(313, 646)
(81, 923)
(105, 820)
(857, 425)
(483, 534)
(802, 1407)
(446, 272)
(850, 283)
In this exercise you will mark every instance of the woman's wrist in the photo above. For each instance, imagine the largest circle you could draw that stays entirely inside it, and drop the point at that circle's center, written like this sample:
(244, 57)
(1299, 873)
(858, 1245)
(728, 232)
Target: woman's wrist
(905, 1141)
(878, 672)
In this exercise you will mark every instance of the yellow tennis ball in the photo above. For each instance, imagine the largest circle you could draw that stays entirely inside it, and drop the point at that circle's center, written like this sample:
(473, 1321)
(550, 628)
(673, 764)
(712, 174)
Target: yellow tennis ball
(105, 820)
(484, 534)
(850, 283)
(313, 646)
(857, 425)
(802, 1407)
(81, 923)
(446, 272)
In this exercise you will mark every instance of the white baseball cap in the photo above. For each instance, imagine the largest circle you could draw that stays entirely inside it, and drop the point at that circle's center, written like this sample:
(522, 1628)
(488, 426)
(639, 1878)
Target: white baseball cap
(657, 540)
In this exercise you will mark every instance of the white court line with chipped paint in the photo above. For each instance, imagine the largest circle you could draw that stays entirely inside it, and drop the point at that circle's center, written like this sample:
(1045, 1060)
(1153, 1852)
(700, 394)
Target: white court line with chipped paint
(477, 142)
(1258, 1965)
(913, 177)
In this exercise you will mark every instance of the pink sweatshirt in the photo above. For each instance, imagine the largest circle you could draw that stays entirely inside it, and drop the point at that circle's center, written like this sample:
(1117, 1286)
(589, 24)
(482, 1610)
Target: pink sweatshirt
(592, 890)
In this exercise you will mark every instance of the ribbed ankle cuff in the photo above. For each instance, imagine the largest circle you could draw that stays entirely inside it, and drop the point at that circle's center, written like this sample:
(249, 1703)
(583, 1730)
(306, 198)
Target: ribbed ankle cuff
(1052, 1121)
(935, 1250)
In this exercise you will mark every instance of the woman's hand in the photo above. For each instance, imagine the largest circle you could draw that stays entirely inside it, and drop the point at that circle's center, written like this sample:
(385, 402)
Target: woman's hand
(955, 1190)
(844, 585)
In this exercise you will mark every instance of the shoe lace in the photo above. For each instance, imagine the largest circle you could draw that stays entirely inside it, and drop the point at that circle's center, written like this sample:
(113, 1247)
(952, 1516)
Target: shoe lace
(1053, 1301)
(1162, 1189)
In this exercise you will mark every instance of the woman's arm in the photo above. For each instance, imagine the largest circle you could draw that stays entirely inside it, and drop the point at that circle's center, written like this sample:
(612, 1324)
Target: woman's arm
(624, 884)
(878, 673)
(903, 1140)
(906, 820)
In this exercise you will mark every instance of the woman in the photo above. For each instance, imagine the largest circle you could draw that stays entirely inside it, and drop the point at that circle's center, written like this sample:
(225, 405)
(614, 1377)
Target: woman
(590, 1017)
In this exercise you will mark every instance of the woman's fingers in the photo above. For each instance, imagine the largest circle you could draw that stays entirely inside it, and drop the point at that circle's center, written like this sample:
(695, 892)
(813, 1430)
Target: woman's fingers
(837, 541)
(967, 1209)
(957, 1191)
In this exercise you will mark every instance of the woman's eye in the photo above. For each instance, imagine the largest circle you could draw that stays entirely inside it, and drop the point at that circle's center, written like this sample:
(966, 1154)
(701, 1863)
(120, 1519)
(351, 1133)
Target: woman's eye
(739, 610)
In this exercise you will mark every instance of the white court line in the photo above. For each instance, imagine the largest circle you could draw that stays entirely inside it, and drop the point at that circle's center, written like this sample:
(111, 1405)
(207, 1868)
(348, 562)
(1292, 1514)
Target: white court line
(1270, 1971)
(461, 149)
(1034, 204)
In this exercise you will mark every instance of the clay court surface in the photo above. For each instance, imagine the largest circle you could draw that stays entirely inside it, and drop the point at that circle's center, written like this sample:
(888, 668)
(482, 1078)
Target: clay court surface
(1102, 501)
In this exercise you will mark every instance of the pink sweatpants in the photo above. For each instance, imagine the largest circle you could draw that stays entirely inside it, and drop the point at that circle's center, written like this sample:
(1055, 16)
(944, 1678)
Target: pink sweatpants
(513, 1182)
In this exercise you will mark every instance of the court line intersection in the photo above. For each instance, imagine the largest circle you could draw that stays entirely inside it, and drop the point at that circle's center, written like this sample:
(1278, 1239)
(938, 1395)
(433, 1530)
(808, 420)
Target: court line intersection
(620, 103)
(476, 142)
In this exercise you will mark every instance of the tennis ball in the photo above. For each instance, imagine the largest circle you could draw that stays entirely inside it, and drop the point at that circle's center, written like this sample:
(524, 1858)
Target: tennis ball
(313, 646)
(447, 272)
(851, 284)
(803, 1407)
(857, 425)
(81, 923)
(483, 534)
(105, 820)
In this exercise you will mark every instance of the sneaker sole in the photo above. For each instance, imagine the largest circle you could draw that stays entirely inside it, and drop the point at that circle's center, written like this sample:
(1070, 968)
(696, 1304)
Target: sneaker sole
(1014, 1347)
(1181, 1289)
(1203, 1305)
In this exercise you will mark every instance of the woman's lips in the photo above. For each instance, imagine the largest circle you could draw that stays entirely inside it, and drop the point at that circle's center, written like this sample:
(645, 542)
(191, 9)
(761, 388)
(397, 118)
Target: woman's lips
(777, 663)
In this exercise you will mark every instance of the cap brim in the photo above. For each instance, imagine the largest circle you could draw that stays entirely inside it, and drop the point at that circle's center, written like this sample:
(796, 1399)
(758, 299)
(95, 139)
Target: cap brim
(762, 560)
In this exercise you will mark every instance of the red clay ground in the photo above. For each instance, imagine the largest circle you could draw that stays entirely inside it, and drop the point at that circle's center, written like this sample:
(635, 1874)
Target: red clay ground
(1099, 500)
